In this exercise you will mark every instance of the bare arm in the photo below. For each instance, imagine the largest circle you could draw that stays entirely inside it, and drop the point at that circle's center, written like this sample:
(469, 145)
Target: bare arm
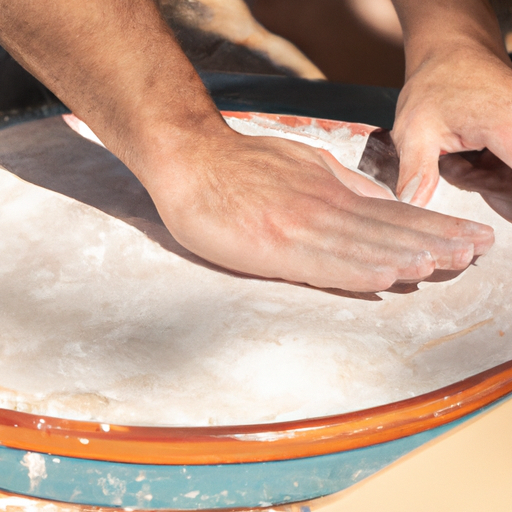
(262, 206)
(457, 92)
(108, 60)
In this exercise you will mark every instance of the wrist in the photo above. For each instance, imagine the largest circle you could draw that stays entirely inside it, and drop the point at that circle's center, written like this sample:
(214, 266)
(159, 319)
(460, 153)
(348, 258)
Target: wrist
(445, 28)
(163, 144)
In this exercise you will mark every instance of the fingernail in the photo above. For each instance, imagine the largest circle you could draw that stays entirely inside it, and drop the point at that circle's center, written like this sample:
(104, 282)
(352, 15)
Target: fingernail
(410, 189)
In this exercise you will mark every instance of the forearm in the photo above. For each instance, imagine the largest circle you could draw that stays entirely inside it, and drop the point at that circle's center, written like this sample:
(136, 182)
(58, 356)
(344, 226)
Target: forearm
(117, 66)
(433, 27)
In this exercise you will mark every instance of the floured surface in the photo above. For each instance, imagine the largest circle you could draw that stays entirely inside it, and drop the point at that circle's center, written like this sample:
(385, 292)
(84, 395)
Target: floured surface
(101, 322)
(346, 146)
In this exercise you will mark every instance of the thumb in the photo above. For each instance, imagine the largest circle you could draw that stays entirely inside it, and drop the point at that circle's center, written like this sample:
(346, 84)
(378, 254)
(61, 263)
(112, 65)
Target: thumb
(419, 171)
(359, 182)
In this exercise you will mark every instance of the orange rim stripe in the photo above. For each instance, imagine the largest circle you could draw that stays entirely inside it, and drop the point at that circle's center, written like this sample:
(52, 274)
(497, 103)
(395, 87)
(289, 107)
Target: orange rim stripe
(254, 443)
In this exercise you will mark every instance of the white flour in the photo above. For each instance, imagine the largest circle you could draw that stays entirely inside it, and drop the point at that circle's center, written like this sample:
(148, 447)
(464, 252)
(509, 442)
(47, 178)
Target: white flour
(101, 323)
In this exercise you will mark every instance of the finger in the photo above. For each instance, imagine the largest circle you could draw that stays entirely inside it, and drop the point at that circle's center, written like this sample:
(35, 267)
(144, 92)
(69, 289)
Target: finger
(419, 170)
(354, 276)
(361, 265)
(337, 260)
(358, 182)
(411, 217)
(435, 224)
(376, 243)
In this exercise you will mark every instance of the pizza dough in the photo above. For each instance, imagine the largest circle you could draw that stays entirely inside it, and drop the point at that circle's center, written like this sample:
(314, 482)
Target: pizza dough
(104, 317)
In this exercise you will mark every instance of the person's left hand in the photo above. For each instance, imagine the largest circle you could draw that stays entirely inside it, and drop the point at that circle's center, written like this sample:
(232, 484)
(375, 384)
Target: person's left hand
(457, 100)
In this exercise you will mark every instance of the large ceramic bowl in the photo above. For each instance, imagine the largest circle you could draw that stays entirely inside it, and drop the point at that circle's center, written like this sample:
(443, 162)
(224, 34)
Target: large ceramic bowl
(187, 468)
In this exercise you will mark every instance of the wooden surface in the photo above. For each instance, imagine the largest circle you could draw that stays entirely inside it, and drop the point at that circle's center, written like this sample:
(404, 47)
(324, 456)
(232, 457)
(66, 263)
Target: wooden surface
(467, 470)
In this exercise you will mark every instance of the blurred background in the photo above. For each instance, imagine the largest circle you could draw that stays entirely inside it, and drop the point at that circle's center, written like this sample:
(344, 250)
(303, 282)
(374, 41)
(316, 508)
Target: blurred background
(344, 41)
(351, 41)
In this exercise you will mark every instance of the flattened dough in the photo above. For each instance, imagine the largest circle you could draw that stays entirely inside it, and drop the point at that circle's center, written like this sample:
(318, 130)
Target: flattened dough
(102, 321)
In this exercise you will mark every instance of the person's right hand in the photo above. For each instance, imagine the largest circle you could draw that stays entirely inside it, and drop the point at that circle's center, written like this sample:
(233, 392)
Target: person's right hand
(279, 209)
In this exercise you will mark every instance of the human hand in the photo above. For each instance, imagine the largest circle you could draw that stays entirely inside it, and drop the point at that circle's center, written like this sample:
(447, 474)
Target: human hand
(456, 100)
(261, 206)
(279, 209)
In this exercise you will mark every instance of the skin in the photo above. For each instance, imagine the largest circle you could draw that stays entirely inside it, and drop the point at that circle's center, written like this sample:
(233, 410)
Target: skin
(257, 205)
(457, 91)
(233, 20)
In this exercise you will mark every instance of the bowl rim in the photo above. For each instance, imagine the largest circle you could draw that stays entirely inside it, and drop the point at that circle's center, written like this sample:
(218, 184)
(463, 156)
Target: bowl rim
(264, 442)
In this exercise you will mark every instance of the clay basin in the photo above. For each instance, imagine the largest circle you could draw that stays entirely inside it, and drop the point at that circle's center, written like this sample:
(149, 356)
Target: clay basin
(452, 366)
